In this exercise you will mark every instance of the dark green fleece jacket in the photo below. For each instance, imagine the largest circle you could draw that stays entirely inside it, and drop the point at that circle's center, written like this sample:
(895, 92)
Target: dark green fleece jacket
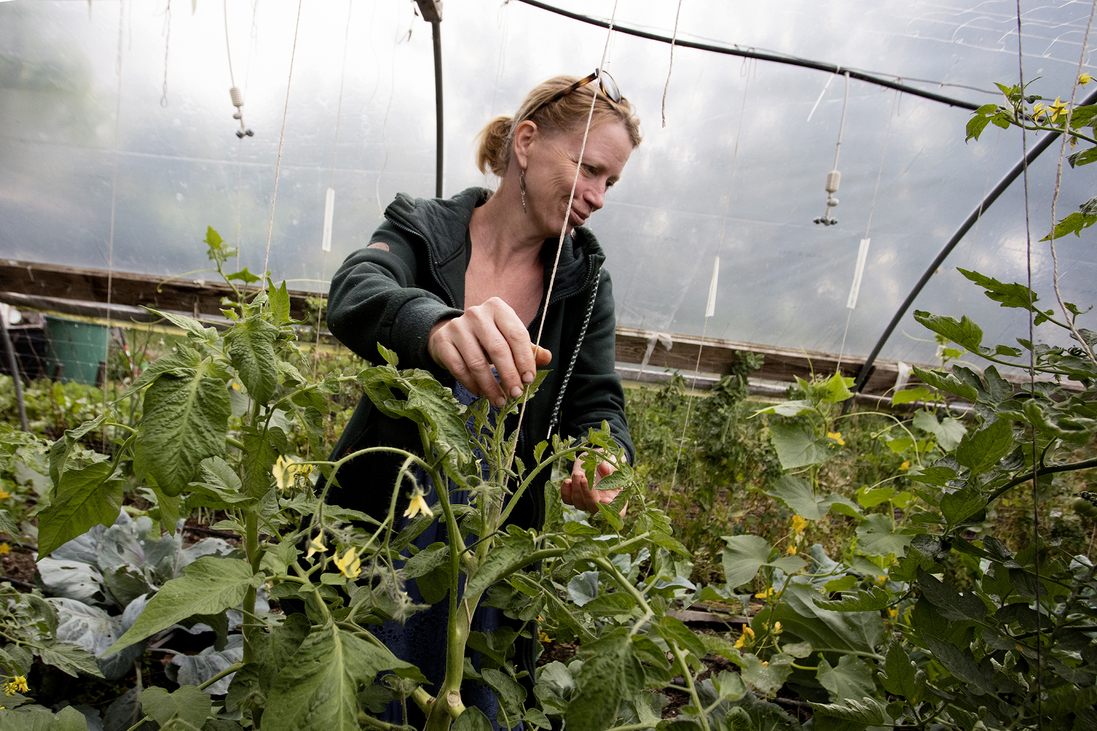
(395, 297)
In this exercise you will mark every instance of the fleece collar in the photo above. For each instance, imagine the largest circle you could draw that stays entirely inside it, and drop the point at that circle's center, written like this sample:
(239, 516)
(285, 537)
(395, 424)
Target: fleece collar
(442, 224)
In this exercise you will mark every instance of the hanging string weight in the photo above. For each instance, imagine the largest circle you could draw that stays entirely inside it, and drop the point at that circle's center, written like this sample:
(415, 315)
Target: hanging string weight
(834, 177)
(238, 102)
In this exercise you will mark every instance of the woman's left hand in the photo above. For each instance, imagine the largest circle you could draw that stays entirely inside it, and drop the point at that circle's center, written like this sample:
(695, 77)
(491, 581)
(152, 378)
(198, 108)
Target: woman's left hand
(577, 491)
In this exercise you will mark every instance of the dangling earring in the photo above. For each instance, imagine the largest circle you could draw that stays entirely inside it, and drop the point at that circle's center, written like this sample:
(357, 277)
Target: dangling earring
(522, 186)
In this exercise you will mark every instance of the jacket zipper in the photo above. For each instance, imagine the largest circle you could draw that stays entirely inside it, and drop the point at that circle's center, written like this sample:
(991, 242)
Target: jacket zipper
(451, 300)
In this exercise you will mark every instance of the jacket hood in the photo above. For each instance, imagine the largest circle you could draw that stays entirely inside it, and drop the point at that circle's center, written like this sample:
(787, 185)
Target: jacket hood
(442, 223)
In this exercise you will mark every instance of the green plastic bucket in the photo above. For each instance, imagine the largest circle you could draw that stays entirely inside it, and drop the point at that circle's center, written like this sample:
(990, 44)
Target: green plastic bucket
(77, 349)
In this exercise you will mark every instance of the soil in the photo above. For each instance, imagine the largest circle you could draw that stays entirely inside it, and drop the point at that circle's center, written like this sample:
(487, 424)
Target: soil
(18, 567)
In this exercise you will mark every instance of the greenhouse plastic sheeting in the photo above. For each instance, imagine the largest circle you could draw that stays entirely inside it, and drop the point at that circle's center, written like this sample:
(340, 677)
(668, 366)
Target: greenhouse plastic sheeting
(118, 146)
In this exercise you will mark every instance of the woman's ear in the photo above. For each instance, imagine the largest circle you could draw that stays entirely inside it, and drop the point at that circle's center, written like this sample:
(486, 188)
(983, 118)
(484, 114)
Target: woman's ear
(524, 134)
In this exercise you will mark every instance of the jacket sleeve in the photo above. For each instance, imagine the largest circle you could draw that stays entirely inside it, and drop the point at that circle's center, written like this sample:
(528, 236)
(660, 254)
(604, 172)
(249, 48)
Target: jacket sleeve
(377, 296)
(594, 392)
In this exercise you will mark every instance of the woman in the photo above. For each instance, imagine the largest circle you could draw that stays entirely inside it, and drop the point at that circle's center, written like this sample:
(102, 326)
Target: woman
(458, 286)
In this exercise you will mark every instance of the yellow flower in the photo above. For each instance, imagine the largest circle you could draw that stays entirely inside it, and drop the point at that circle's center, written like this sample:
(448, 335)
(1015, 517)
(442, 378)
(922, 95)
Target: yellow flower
(1057, 109)
(286, 469)
(349, 564)
(4, 494)
(765, 594)
(791, 550)
(316, 545)
(799, 523)
(747, 633)
(544, 637)
(905, 465)
(418, 505)
(1037, 110)
(1084, 79)
(18, 684)
(893, 612)
(836, 436)
(776, 628)
(5, 548)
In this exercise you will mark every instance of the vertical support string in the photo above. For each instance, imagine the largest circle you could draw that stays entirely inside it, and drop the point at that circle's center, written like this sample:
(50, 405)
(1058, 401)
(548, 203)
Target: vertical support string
(1032, 382)
(113, 200)
(281, 139)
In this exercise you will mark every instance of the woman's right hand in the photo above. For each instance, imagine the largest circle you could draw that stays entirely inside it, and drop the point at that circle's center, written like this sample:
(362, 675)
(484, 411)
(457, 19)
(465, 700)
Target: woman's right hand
(487, 335)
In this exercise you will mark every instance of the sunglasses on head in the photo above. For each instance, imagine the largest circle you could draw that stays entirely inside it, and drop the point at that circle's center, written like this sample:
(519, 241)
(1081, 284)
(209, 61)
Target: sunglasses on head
(606, 85)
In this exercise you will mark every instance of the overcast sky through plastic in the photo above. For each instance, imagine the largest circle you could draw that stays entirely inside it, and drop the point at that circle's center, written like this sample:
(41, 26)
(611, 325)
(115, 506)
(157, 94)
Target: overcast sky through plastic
(120, 112)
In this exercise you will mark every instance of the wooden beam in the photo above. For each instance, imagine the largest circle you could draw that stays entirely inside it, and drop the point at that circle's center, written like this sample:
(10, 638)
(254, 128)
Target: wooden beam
(717, 356)
(195, 297)
(48, 286)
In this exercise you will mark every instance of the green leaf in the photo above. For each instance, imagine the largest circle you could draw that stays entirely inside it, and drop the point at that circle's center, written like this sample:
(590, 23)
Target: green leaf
(872, 599)
(983, 449)
(512, 694)
(976, 125)
(261, 450)
(746, 554)
(68, 658)
(837, 389)
(767, 678)
(318, 687)
(610, 675)
(797, 446)
(950, 603)
(505, 554)
(851, 678)
(189, 704)
(877, 536)
(948, 383)
(961, 663)
(251, 350)
(279, 303)
(84, 498)
(187, 324)
(900, 675)
(796, 493)
(62, 448)
(865, 711)
(244, 275)
(473, 719)
(801, 617)
(910, 395)
(210, 585)
(583, 588)
(185, 421)
(964, 333)
(787, 408)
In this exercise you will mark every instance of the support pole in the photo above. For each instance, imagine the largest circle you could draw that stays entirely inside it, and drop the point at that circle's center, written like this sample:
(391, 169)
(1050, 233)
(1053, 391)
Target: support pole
(432, 13)
(13, 365)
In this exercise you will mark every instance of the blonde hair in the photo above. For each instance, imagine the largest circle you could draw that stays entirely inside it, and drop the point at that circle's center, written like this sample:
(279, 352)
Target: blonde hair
(567, 114)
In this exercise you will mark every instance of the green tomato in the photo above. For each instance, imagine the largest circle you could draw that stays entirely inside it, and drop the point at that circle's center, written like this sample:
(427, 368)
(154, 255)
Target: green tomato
(1084, 507)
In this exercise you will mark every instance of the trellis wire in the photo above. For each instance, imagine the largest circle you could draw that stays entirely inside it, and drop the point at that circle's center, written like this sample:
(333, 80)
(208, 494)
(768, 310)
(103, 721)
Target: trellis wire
(868, 228)
(281, 138)
(563, 233)
(1058, 181)
(1031, 380)
(670, 66)
(113, 203)
(331, 183)
(745, 73)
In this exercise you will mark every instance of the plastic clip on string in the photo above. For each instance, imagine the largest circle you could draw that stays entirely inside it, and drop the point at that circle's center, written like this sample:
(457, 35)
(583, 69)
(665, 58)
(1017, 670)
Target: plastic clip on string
(238, 102)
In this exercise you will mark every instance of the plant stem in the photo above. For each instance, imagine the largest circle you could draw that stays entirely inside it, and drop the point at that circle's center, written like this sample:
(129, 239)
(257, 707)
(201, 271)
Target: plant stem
(251, 547)
(690, 687)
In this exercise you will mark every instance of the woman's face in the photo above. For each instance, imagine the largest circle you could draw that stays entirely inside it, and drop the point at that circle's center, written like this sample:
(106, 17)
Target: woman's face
(550, 172)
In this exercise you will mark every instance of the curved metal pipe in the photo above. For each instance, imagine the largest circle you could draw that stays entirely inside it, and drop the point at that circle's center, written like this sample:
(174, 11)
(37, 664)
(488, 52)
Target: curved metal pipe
(1037, 149)
(772, 57)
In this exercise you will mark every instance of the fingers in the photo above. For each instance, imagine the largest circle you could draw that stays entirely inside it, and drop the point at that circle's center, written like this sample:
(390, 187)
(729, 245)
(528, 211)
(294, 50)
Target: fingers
(576, 490)
(488, 335)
